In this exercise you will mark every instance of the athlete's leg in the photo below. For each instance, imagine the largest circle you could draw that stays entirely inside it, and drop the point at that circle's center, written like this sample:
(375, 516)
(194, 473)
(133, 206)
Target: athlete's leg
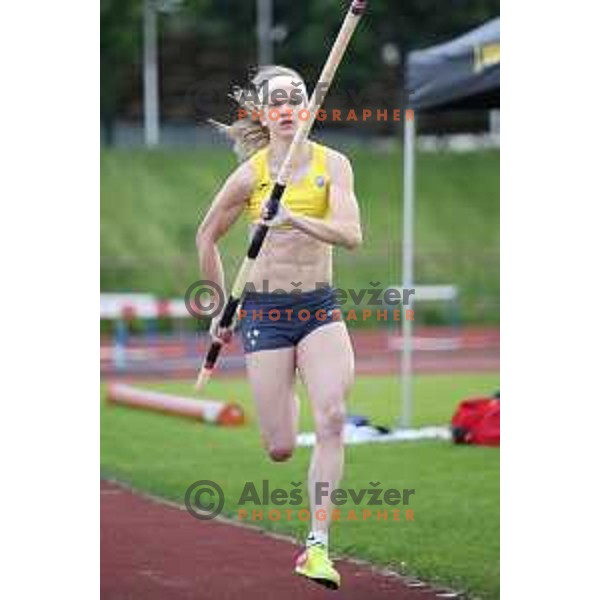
(325, 360)
(272, 375)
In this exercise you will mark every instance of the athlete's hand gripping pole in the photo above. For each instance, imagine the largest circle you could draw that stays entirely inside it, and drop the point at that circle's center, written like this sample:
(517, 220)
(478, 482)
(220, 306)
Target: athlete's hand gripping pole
(334, 59)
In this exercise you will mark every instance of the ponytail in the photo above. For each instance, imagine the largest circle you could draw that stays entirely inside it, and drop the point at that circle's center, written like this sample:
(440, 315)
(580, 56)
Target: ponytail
(248, 134)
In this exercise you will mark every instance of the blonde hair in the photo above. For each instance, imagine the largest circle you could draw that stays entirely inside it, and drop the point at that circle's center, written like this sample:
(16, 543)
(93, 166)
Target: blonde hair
(249, 135)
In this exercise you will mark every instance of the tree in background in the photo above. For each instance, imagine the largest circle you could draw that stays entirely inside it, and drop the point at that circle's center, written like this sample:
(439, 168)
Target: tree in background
(120, 39)
(228, 27)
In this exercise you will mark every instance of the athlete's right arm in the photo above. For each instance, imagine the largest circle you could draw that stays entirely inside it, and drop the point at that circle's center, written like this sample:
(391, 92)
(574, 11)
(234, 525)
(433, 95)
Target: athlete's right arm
(224, 211)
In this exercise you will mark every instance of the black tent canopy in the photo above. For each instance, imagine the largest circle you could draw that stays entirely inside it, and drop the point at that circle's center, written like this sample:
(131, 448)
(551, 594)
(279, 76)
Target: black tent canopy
(461, 73)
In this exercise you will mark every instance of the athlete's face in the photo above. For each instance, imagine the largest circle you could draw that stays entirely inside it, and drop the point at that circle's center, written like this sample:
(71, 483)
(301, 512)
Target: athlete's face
(286, 98)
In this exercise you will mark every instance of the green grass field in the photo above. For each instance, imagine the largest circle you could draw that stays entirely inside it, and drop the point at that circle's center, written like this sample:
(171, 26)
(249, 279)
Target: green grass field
(454, 539)
(151, 203)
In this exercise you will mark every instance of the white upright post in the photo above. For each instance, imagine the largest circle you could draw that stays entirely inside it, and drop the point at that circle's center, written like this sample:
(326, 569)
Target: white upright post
(151, 109)
(264, 31)
(408, 265)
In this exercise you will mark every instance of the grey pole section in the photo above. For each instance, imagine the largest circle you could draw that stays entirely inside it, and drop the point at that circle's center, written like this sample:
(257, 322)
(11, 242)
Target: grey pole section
(151, 110)
(408, 266)
(264, 30)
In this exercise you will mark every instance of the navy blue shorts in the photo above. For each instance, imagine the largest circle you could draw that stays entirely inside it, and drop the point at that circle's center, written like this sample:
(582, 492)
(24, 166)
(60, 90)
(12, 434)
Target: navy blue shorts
(270, 321)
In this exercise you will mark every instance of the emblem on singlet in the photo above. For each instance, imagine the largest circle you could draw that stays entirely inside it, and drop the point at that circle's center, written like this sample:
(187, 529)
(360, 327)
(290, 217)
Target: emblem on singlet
(320, 181)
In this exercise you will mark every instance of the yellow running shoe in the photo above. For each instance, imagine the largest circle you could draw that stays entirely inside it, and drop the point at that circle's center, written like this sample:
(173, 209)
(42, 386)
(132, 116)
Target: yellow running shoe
(315, 564)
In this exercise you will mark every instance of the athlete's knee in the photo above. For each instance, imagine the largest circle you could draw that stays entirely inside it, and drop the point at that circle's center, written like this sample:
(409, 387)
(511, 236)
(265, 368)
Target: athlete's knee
(281, 452)
(331, 422)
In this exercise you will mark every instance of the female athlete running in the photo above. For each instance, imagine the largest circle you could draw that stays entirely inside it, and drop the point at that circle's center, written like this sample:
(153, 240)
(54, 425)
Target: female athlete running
(319, 210)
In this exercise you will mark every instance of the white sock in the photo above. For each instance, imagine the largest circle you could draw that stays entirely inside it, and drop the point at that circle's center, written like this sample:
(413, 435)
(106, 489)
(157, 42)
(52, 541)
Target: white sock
(318, 537)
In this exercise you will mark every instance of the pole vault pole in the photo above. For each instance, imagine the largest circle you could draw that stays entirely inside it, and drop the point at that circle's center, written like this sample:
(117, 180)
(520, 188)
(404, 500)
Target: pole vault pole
(355, 12)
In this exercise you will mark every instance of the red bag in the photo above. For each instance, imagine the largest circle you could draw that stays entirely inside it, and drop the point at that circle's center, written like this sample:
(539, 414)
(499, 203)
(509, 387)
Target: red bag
(477, 421)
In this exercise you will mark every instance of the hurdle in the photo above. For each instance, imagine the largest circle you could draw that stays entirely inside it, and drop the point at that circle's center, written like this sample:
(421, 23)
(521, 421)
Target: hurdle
(205, 411)
(408, 343)
(123, 308)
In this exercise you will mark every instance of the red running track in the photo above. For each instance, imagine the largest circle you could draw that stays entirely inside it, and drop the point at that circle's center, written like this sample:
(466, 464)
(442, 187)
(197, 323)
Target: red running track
(153, 551)
(437, 350)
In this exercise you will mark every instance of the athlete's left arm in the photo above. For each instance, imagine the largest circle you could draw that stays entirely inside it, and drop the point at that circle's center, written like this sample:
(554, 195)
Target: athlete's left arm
(342, 228)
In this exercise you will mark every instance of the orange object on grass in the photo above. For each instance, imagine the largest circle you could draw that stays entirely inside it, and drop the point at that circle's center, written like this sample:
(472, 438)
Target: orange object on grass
(207, 411)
